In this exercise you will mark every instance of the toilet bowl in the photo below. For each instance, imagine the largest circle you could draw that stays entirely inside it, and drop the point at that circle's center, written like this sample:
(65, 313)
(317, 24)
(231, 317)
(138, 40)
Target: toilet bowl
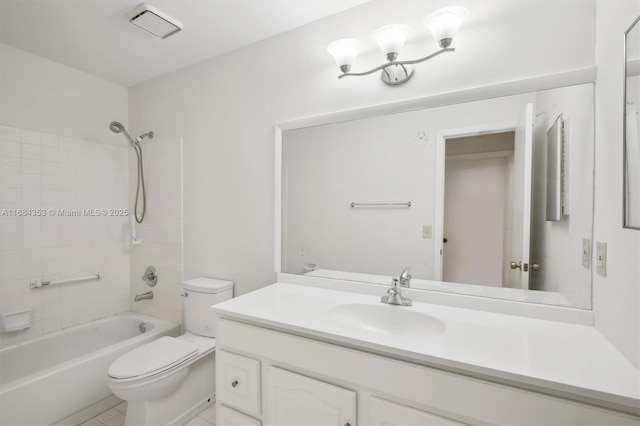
(169, 380)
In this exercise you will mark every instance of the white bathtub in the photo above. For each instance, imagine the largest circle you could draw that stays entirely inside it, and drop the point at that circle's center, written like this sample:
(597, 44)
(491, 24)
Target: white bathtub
(49, 378)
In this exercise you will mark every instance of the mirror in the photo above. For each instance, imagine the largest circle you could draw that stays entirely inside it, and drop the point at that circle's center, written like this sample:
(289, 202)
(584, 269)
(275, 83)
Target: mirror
(632, 127)
(457, 192)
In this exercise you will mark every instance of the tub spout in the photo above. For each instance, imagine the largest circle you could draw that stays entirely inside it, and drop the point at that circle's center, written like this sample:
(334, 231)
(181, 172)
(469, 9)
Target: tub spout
(143, 296)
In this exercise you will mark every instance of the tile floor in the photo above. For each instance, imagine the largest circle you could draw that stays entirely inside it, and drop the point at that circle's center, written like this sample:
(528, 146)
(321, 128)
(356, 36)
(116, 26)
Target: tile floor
(115, 417)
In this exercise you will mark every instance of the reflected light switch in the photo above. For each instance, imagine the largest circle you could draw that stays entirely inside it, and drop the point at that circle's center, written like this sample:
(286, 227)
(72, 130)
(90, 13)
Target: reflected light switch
(601, 259)
(426, 231)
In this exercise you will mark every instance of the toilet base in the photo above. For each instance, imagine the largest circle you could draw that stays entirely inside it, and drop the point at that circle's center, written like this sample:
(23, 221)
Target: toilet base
(138, 414)
(194, 395)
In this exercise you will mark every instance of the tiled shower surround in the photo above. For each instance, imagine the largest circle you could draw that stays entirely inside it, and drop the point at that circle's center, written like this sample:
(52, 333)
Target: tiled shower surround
(54, 192)
(161, 230)
(53, 195)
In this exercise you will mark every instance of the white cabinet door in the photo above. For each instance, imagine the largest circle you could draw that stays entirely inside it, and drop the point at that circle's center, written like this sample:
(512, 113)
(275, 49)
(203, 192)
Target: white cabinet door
(387, 413)
(296, 400)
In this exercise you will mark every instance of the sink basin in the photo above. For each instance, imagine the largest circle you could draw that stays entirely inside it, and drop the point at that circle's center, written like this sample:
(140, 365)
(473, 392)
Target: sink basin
(386, 319)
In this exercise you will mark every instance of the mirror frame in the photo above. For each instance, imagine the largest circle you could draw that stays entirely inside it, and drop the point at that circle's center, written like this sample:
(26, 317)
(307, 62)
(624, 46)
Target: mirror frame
(550, 81)
(625, 197)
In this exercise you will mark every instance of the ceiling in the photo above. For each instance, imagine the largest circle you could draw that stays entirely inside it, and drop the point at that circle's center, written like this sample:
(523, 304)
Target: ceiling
(95, 36)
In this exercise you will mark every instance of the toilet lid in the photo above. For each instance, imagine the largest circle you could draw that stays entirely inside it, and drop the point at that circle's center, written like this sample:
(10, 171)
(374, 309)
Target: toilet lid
(153, 358)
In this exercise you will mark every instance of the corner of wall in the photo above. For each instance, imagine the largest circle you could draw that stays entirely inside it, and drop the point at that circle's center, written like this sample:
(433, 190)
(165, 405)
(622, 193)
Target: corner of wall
(616, 297)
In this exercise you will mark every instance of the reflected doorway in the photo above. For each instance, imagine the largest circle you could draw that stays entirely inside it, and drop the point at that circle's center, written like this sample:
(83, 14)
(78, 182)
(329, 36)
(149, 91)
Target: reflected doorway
(478, 212)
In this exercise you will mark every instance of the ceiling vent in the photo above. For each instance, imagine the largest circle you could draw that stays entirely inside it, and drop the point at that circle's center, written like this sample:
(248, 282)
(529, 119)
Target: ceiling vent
(153, 21)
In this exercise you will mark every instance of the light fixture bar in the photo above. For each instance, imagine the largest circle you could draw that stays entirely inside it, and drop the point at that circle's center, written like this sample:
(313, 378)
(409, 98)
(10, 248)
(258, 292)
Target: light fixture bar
(444, 25)
(388, 64)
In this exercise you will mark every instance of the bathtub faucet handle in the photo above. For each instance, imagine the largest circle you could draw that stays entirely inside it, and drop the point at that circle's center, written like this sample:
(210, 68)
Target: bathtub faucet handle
(150, 276)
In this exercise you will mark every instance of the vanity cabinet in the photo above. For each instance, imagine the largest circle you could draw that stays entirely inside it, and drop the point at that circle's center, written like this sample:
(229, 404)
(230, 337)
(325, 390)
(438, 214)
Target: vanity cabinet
(294, 399)
(293, 379)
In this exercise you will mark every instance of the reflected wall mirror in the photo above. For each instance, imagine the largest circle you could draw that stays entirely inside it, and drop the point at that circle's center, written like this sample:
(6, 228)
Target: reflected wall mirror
(457, 192)
(632, 127)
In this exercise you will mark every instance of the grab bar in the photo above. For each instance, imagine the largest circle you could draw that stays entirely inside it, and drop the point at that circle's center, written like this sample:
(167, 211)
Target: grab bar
(407, 204)
(37, 283)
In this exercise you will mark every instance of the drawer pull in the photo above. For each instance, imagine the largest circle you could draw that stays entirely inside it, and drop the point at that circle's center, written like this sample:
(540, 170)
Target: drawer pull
(234, 383)
(347, 424)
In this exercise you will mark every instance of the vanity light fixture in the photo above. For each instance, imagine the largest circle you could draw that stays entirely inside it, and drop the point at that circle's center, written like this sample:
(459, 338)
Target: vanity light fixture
(443, 24)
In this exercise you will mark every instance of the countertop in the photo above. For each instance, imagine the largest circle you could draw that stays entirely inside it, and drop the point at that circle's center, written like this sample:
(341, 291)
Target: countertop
(562, 359)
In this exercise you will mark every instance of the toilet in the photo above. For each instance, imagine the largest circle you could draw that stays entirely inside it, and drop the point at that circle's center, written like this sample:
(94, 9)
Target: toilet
(171, 379)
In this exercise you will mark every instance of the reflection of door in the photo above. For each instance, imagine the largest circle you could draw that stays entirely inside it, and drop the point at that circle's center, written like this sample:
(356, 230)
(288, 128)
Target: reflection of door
(523, 158)
(477, 209)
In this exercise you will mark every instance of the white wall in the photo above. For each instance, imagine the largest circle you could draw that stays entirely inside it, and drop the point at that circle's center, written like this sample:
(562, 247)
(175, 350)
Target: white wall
(225, 108)
(616, 297)
(53, 125)
(44, 96)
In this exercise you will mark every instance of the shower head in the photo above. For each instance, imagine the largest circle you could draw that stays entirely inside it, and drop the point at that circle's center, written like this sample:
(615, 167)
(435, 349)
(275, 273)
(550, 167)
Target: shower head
(116, 127)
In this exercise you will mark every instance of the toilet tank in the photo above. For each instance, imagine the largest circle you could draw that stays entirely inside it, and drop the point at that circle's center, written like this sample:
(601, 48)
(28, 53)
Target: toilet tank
(199, 295)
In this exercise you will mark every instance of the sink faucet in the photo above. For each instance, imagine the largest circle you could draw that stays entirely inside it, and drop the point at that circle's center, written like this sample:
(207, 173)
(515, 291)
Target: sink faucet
(405, 278)
(394, 297)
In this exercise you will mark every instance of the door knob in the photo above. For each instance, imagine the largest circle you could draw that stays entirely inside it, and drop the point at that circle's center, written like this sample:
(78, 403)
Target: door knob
(525, 266)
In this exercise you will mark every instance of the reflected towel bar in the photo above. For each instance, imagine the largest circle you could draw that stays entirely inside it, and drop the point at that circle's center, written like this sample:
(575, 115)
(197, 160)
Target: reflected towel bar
(407, 204)
(37, 283)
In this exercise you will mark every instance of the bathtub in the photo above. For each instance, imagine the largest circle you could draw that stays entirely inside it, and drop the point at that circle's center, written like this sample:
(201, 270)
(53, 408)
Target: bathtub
(57, 375)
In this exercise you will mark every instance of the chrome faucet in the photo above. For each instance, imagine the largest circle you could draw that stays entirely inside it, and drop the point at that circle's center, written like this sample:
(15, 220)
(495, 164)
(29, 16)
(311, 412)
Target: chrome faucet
(143, 296)
(405, 278)
(394, 297)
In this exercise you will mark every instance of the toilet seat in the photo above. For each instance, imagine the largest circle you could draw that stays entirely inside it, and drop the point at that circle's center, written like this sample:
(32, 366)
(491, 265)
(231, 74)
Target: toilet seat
(152, 359)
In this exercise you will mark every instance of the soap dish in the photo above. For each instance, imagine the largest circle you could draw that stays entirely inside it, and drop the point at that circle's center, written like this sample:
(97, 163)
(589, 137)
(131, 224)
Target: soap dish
(16, 321)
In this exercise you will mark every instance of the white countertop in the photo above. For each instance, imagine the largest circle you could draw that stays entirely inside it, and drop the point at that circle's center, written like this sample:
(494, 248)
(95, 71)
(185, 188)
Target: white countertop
(559, 358)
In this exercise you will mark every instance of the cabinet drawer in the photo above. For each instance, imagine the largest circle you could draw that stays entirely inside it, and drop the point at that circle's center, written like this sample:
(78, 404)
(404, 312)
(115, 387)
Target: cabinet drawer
(238, 382)
(226, 416)
(387, 413)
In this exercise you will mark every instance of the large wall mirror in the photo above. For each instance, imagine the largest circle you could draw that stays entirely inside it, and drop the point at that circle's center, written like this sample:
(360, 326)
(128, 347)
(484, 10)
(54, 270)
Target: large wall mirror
(632, 127)
(458, 192)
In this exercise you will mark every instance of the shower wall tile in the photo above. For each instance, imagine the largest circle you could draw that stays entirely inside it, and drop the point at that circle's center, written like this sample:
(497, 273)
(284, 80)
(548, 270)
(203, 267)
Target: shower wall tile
(9, 149)
(9, 134)
(56, 175)
(161, 230)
